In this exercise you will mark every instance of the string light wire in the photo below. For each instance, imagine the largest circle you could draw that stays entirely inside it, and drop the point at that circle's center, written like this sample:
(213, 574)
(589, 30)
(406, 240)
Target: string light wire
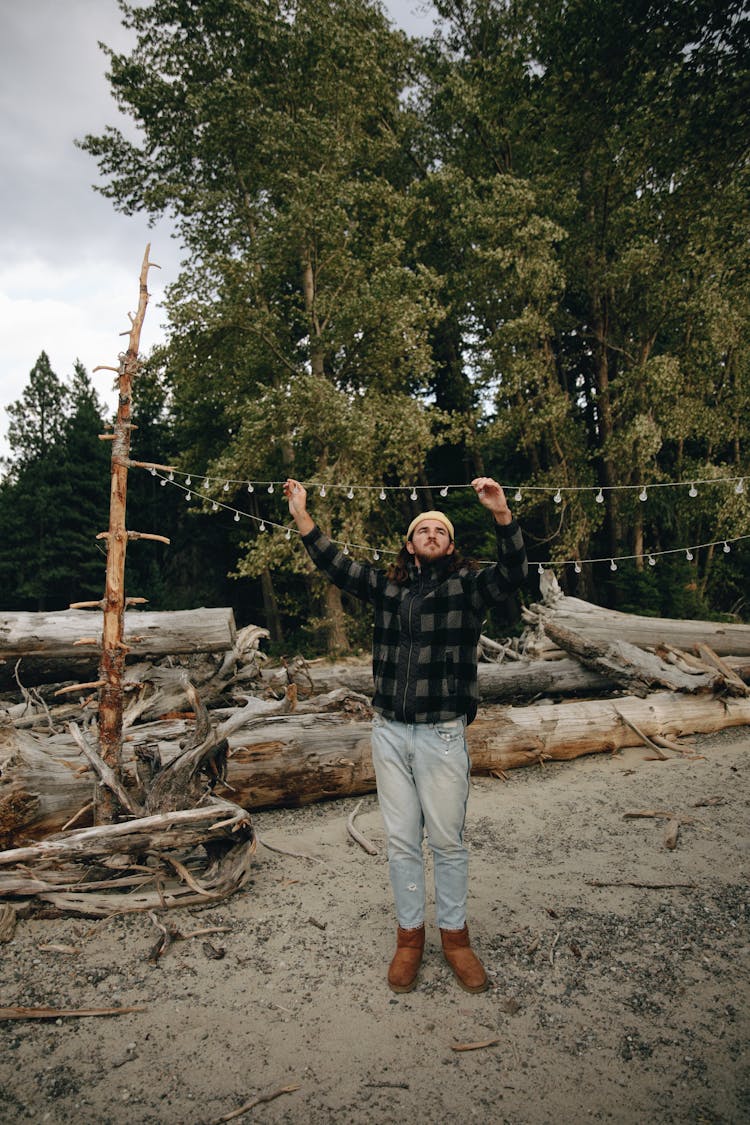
(347, 544)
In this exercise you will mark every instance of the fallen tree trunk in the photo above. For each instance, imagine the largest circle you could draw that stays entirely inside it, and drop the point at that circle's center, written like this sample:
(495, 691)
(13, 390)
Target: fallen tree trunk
(498, 683)
(291, 759)
(603, 625)
(46, 643)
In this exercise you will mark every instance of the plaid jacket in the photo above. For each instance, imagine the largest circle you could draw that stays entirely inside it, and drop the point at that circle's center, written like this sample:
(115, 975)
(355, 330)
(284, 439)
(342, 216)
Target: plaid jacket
(424, 652)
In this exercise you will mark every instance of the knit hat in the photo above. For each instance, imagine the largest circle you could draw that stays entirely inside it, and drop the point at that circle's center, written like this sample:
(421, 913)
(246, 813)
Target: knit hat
(438, 517)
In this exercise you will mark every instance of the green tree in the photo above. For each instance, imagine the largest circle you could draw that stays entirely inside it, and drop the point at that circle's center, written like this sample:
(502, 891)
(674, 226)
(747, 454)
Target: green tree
(272, 133)
(54, 498)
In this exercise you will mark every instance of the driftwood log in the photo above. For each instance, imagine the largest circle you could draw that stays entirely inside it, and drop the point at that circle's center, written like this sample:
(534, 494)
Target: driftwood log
(295, 759)
(603, 625)
(50, 649)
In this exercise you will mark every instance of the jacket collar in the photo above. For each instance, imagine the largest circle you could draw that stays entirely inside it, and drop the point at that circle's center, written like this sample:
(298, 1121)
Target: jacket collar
(432, 572)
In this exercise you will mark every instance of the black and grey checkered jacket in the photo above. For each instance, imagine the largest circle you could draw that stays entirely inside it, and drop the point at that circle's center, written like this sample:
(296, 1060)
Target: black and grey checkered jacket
(424, 652)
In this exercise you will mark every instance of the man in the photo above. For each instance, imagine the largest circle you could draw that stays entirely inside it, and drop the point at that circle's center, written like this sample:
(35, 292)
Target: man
(429, 610)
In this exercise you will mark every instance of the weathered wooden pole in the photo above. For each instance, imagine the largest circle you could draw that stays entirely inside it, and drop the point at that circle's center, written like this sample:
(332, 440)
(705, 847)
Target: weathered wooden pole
(114, 649)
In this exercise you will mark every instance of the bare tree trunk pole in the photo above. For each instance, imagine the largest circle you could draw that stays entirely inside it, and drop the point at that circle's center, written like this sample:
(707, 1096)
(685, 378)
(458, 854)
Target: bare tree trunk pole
(114, 649)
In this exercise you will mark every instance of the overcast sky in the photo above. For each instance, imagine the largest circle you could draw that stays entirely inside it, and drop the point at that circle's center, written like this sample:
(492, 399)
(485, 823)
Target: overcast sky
(69, 262)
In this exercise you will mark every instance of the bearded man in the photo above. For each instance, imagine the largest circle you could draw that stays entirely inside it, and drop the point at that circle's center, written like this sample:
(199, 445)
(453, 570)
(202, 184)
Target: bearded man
(429, 606)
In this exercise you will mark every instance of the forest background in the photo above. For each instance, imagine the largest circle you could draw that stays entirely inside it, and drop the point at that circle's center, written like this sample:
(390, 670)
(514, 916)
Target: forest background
(517, 247)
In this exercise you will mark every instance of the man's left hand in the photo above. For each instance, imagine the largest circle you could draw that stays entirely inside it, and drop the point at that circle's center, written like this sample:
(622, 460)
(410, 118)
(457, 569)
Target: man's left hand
(491, 495)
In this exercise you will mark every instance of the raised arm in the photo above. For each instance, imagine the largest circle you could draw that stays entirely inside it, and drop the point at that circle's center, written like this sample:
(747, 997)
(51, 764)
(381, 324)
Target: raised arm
(296, 494)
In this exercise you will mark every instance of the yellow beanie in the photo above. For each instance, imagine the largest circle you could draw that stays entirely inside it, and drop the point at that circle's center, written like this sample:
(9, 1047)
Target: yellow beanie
(438, 517)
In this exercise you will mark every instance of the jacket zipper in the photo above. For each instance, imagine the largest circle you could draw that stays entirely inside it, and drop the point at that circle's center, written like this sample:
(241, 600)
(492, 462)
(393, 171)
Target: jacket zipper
(411, 646)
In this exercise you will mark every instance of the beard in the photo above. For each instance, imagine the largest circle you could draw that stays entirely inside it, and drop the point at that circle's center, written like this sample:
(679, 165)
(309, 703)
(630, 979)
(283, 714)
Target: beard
(431, 551)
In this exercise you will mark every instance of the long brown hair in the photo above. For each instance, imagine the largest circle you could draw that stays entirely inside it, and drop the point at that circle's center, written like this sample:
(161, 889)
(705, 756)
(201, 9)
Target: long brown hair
(398, 571)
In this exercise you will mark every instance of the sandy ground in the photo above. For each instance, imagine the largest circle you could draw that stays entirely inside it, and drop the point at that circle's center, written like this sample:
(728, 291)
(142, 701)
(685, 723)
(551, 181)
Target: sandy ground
(611, 1003)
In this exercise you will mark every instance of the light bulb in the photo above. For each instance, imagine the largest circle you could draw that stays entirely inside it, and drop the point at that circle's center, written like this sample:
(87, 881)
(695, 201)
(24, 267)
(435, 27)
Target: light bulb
(376, 555)
(612, 564)
(288, 533)
(206, 483)
(250, 487)
(739, 488)
(692, 491)
(518, 495)
(599, 497)
(643, 495)
(153, 471)
(382, 494)
(171, 476)
(413, 494)
(444, 491)
(727, 548)
(540, 569)
(187, 496)
(350, 493)
(226, 485)
(163, 482)
(270, 487)
(651, 560)
(236, 517)
(689, 555)
(262, 526)
(322, 491)
(346, 549)
(188, 480)
(214, 507)
(577, 568)
(557, 497)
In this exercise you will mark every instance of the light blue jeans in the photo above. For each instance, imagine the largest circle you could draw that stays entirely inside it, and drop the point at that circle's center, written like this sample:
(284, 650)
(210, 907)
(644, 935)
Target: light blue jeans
(422, 773)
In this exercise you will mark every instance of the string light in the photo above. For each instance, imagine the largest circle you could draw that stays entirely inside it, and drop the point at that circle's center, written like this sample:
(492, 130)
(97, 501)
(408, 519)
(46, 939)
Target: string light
(413, 494)
(250, 487)
(643, 495)
(692, 491)
(350, 493)
(270, 487)
(188, 481)
(382, 494)
(322, 491)
(264, 525)
(557, 497)
(153, 472)
(444, 490)
(518, 495)
(599, 497)
(346, 549)
(739, 488)
(226, 485)
(207, 485)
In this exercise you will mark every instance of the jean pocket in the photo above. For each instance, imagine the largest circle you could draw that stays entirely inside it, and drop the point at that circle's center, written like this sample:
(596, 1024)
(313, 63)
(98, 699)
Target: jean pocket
(451, 731)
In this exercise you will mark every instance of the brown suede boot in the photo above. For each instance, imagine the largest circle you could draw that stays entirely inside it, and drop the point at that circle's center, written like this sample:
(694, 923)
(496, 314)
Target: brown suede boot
(403, 969)
(467, 968)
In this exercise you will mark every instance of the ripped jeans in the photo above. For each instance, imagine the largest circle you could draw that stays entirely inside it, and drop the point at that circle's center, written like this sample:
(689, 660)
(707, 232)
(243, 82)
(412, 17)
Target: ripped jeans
(422, 772)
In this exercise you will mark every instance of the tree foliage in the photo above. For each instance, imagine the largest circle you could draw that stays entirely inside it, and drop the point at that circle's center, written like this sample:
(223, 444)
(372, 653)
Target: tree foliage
(519, 246)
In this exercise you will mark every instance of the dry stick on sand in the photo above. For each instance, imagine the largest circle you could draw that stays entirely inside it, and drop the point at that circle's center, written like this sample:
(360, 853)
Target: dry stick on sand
(474, 1046)
(60, 1013)
(357, 836)
(255, 1101)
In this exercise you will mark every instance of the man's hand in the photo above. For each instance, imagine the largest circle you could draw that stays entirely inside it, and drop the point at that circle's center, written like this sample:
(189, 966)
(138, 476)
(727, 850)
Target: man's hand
(491, 495)
(296, 494)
